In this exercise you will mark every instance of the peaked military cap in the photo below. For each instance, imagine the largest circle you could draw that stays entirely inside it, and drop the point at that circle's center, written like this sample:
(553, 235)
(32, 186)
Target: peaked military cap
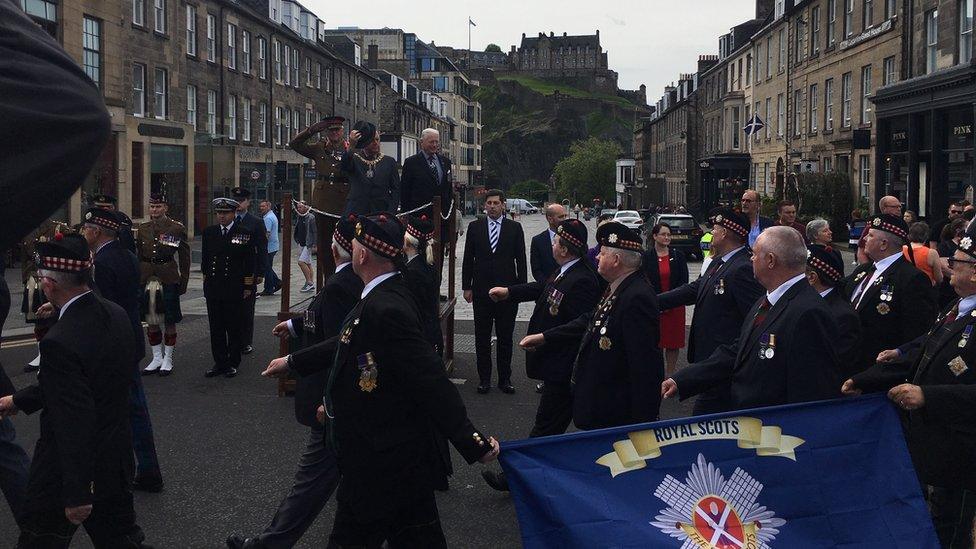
(240, 193)
(66, 253)
(826, 263)
(104, 200)
(381, 233)
(731, 220)
(157, 198)
(334, 122)
(225, 205)
(617, 235)
(893, 224)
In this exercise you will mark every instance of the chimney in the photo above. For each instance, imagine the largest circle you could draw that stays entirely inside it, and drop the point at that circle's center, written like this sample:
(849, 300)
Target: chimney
(597, 33)
(564, 34)
(372, 56)
(552, 34)
(764, 8)
(523, 36)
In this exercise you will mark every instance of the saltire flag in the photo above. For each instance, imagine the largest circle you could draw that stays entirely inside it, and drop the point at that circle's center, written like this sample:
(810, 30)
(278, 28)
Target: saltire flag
(472, 23)
(823, 474)
(754, 125)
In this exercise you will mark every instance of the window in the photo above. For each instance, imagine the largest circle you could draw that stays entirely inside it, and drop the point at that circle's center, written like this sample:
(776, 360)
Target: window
(965, 31)
(246, 52)
(797, 112)
(295, 68)
(212, 113)
(828, 164)
(318, 76)
(308, 72)
(191, 106)
(277, 62)
(781, 61)
(889, 76)
(232, 117)
(848, 18)
(161, 87)
(891, 8)
(829, 104)
(262, 58)
(755, 135)
(866, 95)
(159, 16)
(139, 89)
(815, 30)
(328, 79)
(191, 30)
(748, 79)
(296, 120)
(440, 83)
(867, 13)
(759, 61)
(211, 38)
(231, 46)
(831, 22)
(92, 46)
(769, 56)
(845, 99)
(734, 128)
(287, 69)
(814, 115)
(799, 33)
(308, 117)
(780, 115)
(769, 122)
(139, 12)
(278, 126)
(864, 175)
(931, 40)
(263, 122)
(246, 119)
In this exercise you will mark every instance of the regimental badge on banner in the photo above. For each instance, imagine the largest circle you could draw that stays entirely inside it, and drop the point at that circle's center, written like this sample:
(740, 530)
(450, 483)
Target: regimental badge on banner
(367, 372)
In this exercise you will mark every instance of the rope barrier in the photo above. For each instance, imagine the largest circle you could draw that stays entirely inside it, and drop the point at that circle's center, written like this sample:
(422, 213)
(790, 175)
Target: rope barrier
(450, 210)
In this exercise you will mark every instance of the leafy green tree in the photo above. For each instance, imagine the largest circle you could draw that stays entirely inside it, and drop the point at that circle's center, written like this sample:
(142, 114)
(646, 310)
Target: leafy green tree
(588, 171)
(529, 190)
(493, 48)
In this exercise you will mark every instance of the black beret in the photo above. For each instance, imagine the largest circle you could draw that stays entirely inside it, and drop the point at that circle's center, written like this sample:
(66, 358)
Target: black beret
(67, 253)
(157, 198)
(240, 193)
(225, 205)
(103, 218)
(617, 235)
(826, 262)
(345, 232)
(731, 220)
(893, 224)
(381, 233)
(367, 132)
(420, 227)
(104, 200)
(573, 232)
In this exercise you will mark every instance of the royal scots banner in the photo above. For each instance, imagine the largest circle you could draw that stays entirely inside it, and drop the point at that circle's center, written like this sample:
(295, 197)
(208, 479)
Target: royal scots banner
(824, 474)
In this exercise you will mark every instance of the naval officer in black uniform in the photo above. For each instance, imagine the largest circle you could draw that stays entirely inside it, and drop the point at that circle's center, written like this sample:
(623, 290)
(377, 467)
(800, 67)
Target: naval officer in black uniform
(825, 270)
(258, 240)
(385, 392)
(318, 472)
(422, 277)
(619, 367)
(228, 282)
(935, 386)
(784, 351)
(722, 298)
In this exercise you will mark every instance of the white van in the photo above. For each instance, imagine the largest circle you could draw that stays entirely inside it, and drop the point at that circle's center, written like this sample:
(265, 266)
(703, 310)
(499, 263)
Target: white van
(520, 205)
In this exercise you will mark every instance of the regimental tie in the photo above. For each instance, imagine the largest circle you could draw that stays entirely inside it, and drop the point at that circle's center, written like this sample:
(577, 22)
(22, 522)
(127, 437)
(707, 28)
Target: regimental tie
(493, 229)
(224, 230)
(762, 312)
(868, 273)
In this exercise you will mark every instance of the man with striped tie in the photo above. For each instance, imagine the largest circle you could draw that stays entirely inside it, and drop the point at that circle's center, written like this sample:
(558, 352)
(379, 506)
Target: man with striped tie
(494, 255)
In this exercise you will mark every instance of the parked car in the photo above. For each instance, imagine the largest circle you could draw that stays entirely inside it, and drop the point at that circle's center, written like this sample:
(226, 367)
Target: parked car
(630, 219)
(606, 211)
(521, 205)
(686, 233)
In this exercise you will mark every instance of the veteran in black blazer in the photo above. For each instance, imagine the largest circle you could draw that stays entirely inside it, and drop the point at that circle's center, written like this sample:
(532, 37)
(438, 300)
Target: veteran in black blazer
(722, 297)
(784, 352)
(494, 255)
(425, 175)
(116, 275)
(894, 300)
(540, 249)
(825, 272)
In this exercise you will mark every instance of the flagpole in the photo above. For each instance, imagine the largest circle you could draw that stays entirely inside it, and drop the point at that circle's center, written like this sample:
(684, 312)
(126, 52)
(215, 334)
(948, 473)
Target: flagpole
(469, 42)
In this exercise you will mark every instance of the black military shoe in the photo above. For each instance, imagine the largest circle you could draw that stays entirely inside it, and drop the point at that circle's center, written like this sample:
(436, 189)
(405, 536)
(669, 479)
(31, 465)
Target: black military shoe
(153, 485)
(230, 372)
(247, 350)
(215, 371)
(235, 541)
(495, 479)
(483, 389)
(539, 386)
(507, 388)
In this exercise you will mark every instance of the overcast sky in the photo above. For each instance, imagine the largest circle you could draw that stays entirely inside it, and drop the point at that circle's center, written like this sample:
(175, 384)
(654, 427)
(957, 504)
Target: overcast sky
(649, 41)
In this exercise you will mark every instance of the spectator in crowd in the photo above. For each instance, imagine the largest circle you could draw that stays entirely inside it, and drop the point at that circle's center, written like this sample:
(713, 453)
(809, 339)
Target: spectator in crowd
(925, 259)
(667, 268)
(818, 233)
(786, 210)
(271, 281)
(910, 217)
(305, 233)
(956, 209)
(592, 252)
(949, 241)
(751, 203)
(889, 205)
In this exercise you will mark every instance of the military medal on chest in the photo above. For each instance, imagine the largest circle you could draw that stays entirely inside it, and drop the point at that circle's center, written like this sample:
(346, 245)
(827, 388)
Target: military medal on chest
(555, 298)
(720, 287)
(169, 240)
(367, 372)
(886, 295)
(966, 334)
(308, 321)
(767, 346)
(958, 366)
(346, 336)
(604, 343)
(600, 321)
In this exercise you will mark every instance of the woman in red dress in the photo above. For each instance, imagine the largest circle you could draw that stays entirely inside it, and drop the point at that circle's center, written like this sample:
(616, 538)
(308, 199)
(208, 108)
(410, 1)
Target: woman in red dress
(666, 268)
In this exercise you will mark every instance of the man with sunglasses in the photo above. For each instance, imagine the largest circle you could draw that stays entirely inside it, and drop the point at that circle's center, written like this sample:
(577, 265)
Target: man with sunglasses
(751, 203)
(956, 210)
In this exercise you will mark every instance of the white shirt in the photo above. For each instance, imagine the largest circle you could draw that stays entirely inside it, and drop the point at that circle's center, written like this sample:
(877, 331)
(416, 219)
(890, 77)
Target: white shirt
(410, 257)
(880, 267)
(493, 222)
(774, 296)
(966, 306)
(70, 301)
(375, 282)
(342, 266)
(826, 292)
(225, 230)
(552, 236)
(728, 256)
(565, 267)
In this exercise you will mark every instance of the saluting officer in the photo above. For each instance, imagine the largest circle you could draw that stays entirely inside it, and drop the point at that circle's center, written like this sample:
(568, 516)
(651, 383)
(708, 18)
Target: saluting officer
(825, 270)
(331, 187)
(570, 291)
(33, 293)
(935, 385)
(111, 203)
(422, 278)
(318, 474)
(386, 388)
(619, 368)
(894, 300)
(228, 281)
(164, 272)
(722, 296)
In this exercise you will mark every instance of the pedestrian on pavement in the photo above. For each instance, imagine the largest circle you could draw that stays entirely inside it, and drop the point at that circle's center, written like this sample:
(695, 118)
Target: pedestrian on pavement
(540, 249)
(569, 292)
(116, 278)
(421, 277)
(271, 281)
(889, 205)
(894, 300)
(318, 473)
(386, 389)
(751, 205)
(934, 387)
(305, 236)
(825, 270)
(14, 462)
(786, 217)
(772, 362)
(258, 241)
(577, 210)
(722, 297)
(83, 461)
(494, 255)
(160, 241)
(374, 179)
(667, 268)
(618, 370)
(228, 282)
(924, 258)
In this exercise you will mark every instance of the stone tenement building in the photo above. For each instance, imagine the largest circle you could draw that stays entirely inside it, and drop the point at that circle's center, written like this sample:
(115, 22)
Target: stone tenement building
(671, 140)
(565, 57)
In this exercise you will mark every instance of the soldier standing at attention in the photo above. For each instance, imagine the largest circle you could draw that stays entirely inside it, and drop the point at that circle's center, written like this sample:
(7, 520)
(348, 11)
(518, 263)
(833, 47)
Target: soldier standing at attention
(163, 280)
(258, 240)
(331, 184)
(228, 282)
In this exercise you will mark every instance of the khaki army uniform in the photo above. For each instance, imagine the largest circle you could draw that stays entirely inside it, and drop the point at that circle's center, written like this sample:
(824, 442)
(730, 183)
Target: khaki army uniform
(164, 272)
(329, 192)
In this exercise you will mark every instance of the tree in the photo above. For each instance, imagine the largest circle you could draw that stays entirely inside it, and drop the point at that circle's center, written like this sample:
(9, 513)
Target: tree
(588, 171)
(493, 48)
(529, 189)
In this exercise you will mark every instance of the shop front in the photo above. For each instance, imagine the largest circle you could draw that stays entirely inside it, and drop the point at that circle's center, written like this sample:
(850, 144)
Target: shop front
(723, 179)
